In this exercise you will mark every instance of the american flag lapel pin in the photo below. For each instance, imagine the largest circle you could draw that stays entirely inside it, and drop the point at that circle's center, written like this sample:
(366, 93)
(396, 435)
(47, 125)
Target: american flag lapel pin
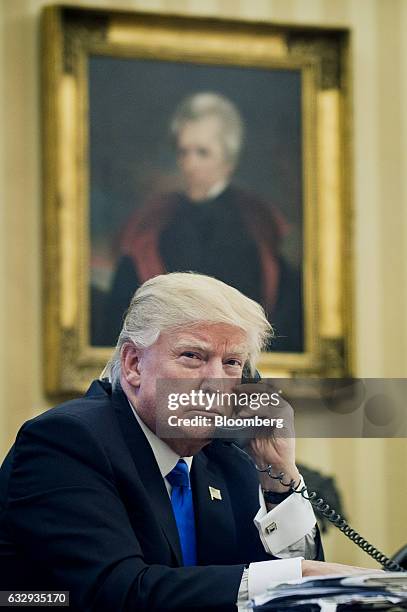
(215, 493)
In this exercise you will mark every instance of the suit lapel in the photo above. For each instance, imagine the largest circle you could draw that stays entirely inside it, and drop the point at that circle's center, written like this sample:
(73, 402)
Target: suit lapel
(148, 471)
(215, 527)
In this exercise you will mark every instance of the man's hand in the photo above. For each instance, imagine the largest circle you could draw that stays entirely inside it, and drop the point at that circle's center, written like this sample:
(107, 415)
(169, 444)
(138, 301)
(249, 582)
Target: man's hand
(321, 568)
(272, 446)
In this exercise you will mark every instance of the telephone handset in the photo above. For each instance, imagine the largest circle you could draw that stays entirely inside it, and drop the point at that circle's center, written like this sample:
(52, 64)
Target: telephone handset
(317, 502)
(238, 434)
(248, 377)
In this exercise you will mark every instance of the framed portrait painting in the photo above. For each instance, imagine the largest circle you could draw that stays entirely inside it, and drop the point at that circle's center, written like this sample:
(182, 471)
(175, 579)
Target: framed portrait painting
(181, 144)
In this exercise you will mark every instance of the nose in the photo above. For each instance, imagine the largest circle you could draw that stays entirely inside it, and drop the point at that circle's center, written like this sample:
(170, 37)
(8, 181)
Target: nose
(214, 368)
(188, 163)
(213, 376)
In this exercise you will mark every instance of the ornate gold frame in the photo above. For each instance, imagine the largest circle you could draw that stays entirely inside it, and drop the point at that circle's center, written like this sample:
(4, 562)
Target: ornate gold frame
(68, 35)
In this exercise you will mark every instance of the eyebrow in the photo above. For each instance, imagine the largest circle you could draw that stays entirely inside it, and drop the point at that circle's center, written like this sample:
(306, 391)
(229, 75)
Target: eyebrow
(195, 345)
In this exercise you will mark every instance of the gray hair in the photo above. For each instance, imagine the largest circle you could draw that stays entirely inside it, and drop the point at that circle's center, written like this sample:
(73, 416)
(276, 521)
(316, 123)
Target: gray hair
(208, 104)
(172, 301)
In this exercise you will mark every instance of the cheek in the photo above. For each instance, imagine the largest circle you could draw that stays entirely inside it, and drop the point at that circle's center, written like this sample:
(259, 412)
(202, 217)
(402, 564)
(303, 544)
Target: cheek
(181, 162)
(146, 395)
(146, 405)
(218, 167)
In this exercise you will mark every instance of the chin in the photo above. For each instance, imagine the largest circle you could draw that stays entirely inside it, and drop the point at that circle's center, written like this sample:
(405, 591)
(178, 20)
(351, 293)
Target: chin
(197, 194)
(199, 433)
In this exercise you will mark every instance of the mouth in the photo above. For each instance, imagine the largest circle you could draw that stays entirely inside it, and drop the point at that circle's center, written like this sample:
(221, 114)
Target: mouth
(201, 411)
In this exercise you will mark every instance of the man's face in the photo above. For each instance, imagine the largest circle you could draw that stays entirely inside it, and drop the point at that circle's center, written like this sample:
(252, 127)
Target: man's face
(198, 354)
(201, 156)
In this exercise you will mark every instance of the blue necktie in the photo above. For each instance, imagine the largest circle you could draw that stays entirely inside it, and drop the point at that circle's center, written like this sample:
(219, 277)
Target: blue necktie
(181, 499)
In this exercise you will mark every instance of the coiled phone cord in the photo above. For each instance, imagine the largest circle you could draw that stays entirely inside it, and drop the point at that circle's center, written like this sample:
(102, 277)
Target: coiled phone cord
(334, 517)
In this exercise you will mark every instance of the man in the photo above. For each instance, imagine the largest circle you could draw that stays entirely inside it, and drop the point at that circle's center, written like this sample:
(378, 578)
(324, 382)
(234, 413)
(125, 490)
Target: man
(91, 498)
(211, 226)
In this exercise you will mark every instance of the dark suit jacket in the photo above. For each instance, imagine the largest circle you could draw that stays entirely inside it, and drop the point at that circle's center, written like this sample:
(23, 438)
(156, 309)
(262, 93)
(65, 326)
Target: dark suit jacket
(83, 507)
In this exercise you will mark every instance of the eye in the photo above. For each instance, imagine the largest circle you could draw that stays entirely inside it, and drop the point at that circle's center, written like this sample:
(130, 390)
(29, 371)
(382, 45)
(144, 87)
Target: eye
(190, 359)
(190, 355)
(235, 363)
(202, 152)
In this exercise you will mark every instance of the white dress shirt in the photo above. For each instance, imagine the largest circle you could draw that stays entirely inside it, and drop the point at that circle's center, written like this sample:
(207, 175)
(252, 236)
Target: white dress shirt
(292, 541)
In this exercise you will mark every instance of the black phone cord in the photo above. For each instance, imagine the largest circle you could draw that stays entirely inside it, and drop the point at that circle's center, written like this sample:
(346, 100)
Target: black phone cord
(334, 517)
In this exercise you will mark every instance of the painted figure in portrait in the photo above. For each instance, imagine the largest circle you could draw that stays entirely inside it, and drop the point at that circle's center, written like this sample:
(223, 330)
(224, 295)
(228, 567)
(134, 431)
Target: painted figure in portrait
(210, 224)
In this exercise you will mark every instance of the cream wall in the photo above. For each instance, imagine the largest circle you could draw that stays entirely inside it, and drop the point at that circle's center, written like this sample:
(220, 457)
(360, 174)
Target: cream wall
(370, 472)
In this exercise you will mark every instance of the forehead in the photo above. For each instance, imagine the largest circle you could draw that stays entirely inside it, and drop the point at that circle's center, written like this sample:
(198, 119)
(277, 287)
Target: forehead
(214, 337)
(205, 129)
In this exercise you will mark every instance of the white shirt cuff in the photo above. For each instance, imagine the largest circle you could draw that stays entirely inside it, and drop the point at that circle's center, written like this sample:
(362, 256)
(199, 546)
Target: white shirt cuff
(285, 524)
(261, 574)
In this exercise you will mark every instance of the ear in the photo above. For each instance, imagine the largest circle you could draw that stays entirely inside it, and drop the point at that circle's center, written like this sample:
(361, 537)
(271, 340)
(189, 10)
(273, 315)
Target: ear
(130, 362)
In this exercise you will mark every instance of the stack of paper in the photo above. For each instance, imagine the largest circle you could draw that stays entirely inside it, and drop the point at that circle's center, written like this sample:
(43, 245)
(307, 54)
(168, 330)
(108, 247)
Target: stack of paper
(372, 591)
